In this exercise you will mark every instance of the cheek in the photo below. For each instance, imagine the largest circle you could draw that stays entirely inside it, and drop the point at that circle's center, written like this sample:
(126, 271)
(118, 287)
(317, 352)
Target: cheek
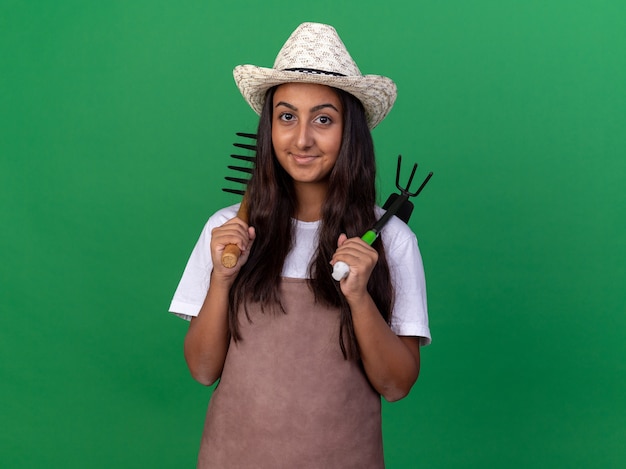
(278, 138)
(336, 143)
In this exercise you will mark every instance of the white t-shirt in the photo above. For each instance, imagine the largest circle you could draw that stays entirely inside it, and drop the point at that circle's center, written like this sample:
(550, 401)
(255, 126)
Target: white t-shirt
(410, 314)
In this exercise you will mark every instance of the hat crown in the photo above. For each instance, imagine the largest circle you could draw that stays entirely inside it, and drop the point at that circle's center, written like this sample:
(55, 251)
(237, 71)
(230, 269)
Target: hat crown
(317, 47)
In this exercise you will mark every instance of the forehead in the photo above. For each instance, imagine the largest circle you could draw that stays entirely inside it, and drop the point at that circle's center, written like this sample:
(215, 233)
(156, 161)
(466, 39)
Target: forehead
(306, 94)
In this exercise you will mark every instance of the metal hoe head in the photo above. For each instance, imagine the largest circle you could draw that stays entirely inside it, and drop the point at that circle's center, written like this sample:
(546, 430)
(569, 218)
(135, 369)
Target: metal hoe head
(405, 190)
(399, 204)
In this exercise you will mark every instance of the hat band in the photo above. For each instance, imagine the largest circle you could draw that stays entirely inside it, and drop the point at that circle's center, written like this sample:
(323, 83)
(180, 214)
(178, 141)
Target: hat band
(314, 71)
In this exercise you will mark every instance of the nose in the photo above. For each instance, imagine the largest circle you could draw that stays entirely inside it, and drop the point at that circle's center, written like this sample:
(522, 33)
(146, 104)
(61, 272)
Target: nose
(304, 138)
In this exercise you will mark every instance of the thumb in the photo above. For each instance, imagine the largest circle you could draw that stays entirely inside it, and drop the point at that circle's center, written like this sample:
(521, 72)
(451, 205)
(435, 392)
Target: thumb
(251, 238)
(342, 239)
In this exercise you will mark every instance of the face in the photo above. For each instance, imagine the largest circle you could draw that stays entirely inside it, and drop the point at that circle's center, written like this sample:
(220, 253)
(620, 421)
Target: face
(307, 128)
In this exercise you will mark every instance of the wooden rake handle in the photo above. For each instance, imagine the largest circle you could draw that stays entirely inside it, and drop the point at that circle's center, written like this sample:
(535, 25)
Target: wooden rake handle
(231, 253)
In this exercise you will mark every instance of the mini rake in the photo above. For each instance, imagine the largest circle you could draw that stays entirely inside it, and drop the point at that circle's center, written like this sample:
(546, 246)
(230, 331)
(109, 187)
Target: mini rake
(231, 253)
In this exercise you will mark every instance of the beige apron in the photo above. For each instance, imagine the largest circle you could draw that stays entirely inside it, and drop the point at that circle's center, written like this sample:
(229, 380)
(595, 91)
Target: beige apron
(288, 399)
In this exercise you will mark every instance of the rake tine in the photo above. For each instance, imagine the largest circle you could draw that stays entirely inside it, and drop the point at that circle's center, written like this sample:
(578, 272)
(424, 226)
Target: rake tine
(245, 146)
(408, 186)
(247, 135)
(234, 191)
(423, 184)
(237, 180)
(241, 169)
(249, 159)
(399, 166)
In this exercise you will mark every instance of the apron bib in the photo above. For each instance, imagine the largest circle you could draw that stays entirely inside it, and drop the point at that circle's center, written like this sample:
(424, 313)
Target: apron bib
(287, 398)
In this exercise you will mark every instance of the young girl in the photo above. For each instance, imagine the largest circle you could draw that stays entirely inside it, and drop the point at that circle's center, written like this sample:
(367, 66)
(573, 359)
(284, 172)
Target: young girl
(303, 359)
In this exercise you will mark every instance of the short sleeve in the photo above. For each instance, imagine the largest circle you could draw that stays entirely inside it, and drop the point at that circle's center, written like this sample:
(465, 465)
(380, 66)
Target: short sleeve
(410, 312)
(194, 283)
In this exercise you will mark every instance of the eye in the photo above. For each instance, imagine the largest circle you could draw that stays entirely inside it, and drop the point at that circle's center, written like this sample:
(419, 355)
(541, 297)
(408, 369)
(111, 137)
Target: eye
(325, 120)
(286, 116)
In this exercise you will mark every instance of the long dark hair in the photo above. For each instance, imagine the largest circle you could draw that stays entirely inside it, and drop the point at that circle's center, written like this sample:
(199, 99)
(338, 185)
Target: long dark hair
(349, 208)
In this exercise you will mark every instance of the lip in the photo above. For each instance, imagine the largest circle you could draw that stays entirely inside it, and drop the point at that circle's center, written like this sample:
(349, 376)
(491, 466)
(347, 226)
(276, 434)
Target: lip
(303, 159)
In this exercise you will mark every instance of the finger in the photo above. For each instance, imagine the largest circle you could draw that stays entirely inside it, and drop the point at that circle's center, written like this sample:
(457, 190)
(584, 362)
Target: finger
(231, 233)
(362, 258)
(342, 239)
(355, 247)
(251, 233)
(235, 220)
(251, 238)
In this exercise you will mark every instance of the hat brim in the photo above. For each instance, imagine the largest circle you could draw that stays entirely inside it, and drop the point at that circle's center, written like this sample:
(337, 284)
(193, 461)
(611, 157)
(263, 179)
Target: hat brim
(376, 93)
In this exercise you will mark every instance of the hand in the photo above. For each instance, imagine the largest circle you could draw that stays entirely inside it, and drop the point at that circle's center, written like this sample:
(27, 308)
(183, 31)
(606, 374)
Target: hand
(361, 258)
(234, 231)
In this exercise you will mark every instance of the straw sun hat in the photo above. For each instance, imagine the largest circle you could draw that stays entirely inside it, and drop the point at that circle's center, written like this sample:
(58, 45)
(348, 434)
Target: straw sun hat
(314, 53)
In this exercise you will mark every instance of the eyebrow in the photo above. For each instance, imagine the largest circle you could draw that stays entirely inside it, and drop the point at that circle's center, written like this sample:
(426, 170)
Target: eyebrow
(313, 109)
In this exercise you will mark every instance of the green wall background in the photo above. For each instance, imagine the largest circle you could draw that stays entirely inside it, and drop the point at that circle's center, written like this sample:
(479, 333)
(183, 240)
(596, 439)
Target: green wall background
(116, 122)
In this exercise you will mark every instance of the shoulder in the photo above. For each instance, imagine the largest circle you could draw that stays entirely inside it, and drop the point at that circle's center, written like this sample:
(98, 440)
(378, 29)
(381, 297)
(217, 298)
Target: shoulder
(217, 219)
(221, 216)
(396, 233)
(224, 214)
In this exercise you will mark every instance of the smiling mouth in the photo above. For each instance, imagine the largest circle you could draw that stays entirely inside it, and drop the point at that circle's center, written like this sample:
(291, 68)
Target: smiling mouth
(303, 158)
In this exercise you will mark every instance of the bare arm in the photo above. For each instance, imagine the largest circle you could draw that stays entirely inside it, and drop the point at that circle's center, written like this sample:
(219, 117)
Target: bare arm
(207, 339)
(391, 362)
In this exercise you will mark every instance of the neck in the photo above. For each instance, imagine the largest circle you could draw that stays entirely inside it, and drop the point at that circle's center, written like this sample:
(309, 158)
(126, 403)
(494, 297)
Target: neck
(311, 197)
